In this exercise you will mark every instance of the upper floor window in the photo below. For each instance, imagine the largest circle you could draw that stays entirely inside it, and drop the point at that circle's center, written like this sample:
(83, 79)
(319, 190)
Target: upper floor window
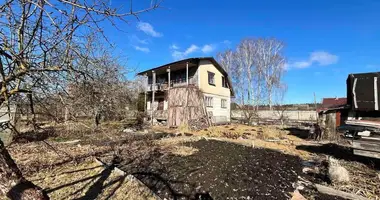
(224, 82)
(211, 78)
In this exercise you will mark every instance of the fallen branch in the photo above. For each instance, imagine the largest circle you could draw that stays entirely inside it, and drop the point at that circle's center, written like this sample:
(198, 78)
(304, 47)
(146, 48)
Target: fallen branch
(334, 192)
(56, 151)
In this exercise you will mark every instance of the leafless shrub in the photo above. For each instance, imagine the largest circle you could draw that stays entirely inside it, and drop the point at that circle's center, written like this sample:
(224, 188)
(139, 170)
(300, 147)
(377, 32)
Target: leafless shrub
(42, 45)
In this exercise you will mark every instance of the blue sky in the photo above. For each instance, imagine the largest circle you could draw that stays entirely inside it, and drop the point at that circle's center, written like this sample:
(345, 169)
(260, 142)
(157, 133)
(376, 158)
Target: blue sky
(325, 40)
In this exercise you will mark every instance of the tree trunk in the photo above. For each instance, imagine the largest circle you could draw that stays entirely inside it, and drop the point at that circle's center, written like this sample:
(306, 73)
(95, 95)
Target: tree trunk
(30, 96)
(66, 113)
(270, 99)
(12, 184)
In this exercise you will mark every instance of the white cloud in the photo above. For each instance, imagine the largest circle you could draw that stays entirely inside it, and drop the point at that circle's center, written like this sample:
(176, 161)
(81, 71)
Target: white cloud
(322, 58)
(191, 49)
(174, 47)
(227, 42)
(135, 39)
(302, 64)
(177, 55)
(208, 48)
(148, 29)
(143, 49)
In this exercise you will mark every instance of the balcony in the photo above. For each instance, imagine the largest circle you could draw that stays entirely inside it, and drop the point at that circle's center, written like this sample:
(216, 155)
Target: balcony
(173, 83)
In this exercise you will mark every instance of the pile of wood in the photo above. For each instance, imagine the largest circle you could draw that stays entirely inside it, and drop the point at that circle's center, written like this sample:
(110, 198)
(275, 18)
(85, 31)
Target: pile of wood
(198, 124)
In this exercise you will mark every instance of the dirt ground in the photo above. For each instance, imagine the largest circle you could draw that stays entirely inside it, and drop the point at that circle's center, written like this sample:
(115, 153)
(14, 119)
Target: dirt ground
(235, 161)
(222, 170)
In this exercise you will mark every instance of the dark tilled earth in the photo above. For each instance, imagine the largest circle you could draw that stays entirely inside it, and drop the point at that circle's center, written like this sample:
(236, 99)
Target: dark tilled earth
(219, 170)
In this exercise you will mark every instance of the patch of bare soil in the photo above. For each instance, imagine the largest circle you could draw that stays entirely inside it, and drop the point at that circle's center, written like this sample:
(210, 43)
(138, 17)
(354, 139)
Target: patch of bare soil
(218, 170)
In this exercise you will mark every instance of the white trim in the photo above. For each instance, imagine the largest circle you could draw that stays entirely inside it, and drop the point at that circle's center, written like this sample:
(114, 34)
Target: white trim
(375, 93)
(187, 73)
(354, 93)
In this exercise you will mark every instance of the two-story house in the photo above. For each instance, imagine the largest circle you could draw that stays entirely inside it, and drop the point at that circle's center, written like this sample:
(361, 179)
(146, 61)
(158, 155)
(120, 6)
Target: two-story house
(203, 73)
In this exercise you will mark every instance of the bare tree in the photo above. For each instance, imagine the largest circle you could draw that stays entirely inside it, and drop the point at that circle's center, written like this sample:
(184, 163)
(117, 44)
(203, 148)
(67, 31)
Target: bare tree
(245, 53)
(42, 40)
(242, 73)
(226, 59)
(280, 108)
(256, 68)
(269, 61)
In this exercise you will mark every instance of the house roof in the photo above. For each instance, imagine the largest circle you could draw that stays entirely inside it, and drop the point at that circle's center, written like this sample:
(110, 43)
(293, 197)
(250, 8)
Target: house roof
(329, 104)
(192, 61)
(333, 102)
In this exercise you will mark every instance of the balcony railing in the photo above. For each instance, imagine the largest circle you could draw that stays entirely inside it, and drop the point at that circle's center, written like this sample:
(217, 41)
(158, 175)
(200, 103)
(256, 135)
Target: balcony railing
(173, 83)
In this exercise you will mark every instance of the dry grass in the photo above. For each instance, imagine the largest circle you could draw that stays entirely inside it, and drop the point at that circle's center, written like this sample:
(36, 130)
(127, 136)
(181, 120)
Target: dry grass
(364, 180)
(255, 132)
(88, 180)
(182, 150)
(174, 145)
(34, 156)
(258, 136)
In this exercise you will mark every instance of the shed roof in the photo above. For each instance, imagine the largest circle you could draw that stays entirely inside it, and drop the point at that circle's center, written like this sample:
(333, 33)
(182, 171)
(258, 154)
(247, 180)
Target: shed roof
(329, 104)
(333, 102)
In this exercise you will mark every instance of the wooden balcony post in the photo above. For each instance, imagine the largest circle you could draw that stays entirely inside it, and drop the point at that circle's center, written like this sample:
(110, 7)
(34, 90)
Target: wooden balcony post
(187, 73)
(168, 70)
(153, 91)
(145, 92)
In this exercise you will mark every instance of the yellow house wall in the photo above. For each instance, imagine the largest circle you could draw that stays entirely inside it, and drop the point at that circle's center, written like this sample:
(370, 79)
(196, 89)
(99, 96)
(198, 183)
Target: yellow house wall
(204, 67)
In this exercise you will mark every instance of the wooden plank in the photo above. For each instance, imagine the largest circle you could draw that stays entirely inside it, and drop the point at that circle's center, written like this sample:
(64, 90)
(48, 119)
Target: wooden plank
(366, 145)
(338, 118)
(365, 153)
(331, 191)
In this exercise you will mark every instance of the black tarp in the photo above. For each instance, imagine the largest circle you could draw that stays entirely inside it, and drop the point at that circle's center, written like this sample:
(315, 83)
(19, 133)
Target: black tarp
(364, 91)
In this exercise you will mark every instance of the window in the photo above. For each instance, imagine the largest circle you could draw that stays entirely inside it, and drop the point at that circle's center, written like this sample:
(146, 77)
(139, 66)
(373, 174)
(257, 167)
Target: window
(208, 101)
(224, 103)
(211, 78)
(224, 82)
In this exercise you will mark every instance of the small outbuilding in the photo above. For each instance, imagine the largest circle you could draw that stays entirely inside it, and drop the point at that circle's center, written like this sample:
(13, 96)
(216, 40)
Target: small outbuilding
(332, 114)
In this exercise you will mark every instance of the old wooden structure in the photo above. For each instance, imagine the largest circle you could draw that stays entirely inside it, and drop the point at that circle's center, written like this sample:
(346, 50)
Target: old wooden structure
(189, 89)
(332, 113)
(186, 104)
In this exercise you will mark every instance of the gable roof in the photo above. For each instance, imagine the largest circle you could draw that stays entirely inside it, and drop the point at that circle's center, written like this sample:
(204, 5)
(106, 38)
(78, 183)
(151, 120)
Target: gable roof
(194, 60)
(333, 102)
(329, 104)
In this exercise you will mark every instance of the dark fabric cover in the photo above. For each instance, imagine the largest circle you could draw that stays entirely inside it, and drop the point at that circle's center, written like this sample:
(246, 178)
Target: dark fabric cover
(365, 97)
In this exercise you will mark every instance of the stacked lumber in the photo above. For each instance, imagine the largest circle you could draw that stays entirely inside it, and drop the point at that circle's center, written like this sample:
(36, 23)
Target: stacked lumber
(365, 123)
(366, 137)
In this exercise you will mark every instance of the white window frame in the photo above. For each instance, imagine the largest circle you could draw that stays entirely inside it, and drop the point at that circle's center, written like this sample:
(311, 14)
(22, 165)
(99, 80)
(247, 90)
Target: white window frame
(223, 103)
(209, 101)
